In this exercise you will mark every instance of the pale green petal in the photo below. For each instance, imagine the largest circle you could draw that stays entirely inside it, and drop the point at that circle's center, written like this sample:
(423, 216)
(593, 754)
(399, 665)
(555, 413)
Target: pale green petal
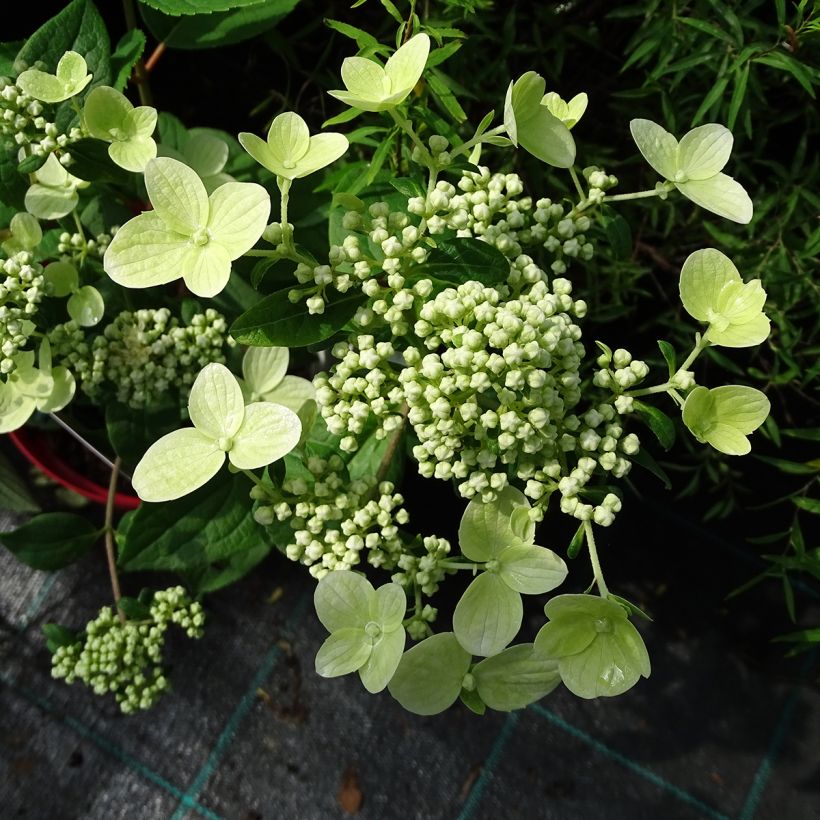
(105, 111)
(613, 663)
(289, 138)
(577, 106)
(389, 606)
(702, 278)
(264, 367)
(262, 153)
(205, 269)
(704, 151)
(727, 439)
(142, 121)
(43, 86)
(177, 194)
(357, 101)
(50, 203)
(215, 404)
(509, 115)
(699, 412)
(658, 146)
(133, 154)
(144, 253)
(565, 636)
(343, 599)
(15, 408)
(52, 173)
(515, 678)
(206, 154)
(747, 334)
(555, 105)
(744, 408)
(535, 129)
(211, 183)
(177, 464)
(488, 616)
(531, 569)
(239, 215)
(429, 676)
(365, 78)
(268, 432)
(485, 528)
(61, 278)
(292, 392)
(721, 195)
(61, 393)
(324, 149)
(73, 71)
(345, 651)
(26, 234)
(581, 605)
(383, 661)
(86, 306)
(741, 302)
(405, 66)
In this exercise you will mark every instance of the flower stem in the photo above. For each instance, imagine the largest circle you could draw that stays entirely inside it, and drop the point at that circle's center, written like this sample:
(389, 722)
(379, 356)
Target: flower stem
(459, 565)
(109, 538)
(284, 190)
(468, 146)
(593, 558)
(577, 183)
(407, 127)
(636, 195)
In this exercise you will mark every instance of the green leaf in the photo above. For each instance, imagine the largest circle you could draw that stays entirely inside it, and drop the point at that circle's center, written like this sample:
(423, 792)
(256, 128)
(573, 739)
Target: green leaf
(175, 8)
(276, 321)
(131, 431)
(488, 615)
(91, 161)
(811, 505)
(78, 27)
(211, 524)
(344, 600)
(199, 31)
(51, 540)
(31, 164)
(515, 678)
(207, 579)
(738, 94)
(530, 569)
(126, 55)
(14, 495)
(472, 700)
(618, 232)
(464, 259)
(658, 422)
(429, 676)
(57, 636)
(577, 542)
(669, 356)
(437, 81)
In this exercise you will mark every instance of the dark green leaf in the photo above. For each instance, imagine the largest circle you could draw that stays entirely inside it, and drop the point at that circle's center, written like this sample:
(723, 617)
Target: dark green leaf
(811, 505)
(217, 29)
(52, 540)
(90, 161)
(276, 321)
(14, 495)
(8, 53)
(464, 259)
(57, 636)
(128, 51)
(618, 232)
(577, 542)
(132, 431)
(647, 461)
(176, 8)
(738, 95)
(790, 467)
(12, 183)
(658, 422)
(134, 609)
(223, 573)
(438, 83)
(362, 38)
(32, 163)
(669, 355)
(407, 186)
(78, 27)
(214, 523)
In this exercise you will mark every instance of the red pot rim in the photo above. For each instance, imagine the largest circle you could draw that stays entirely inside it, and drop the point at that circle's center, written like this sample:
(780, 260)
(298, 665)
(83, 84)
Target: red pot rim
(37, 449)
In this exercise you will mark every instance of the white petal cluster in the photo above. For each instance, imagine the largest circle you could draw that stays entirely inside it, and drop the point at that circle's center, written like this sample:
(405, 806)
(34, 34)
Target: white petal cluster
(125, 659)
(142, 354)
(76, 248)
(20, 294)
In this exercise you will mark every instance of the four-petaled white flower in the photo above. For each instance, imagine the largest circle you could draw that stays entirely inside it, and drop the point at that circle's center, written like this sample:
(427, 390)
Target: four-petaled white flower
(70, 78)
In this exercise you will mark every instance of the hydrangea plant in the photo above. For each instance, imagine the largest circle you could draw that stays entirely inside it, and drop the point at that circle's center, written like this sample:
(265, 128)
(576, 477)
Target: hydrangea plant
(445, 334)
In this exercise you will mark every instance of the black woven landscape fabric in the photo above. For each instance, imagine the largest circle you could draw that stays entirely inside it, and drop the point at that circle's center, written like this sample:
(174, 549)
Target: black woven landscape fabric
(724, 728)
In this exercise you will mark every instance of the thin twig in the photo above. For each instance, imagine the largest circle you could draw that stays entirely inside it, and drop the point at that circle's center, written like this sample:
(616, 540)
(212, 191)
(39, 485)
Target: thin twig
(151, 62)
(86, 444)
(109, 538)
